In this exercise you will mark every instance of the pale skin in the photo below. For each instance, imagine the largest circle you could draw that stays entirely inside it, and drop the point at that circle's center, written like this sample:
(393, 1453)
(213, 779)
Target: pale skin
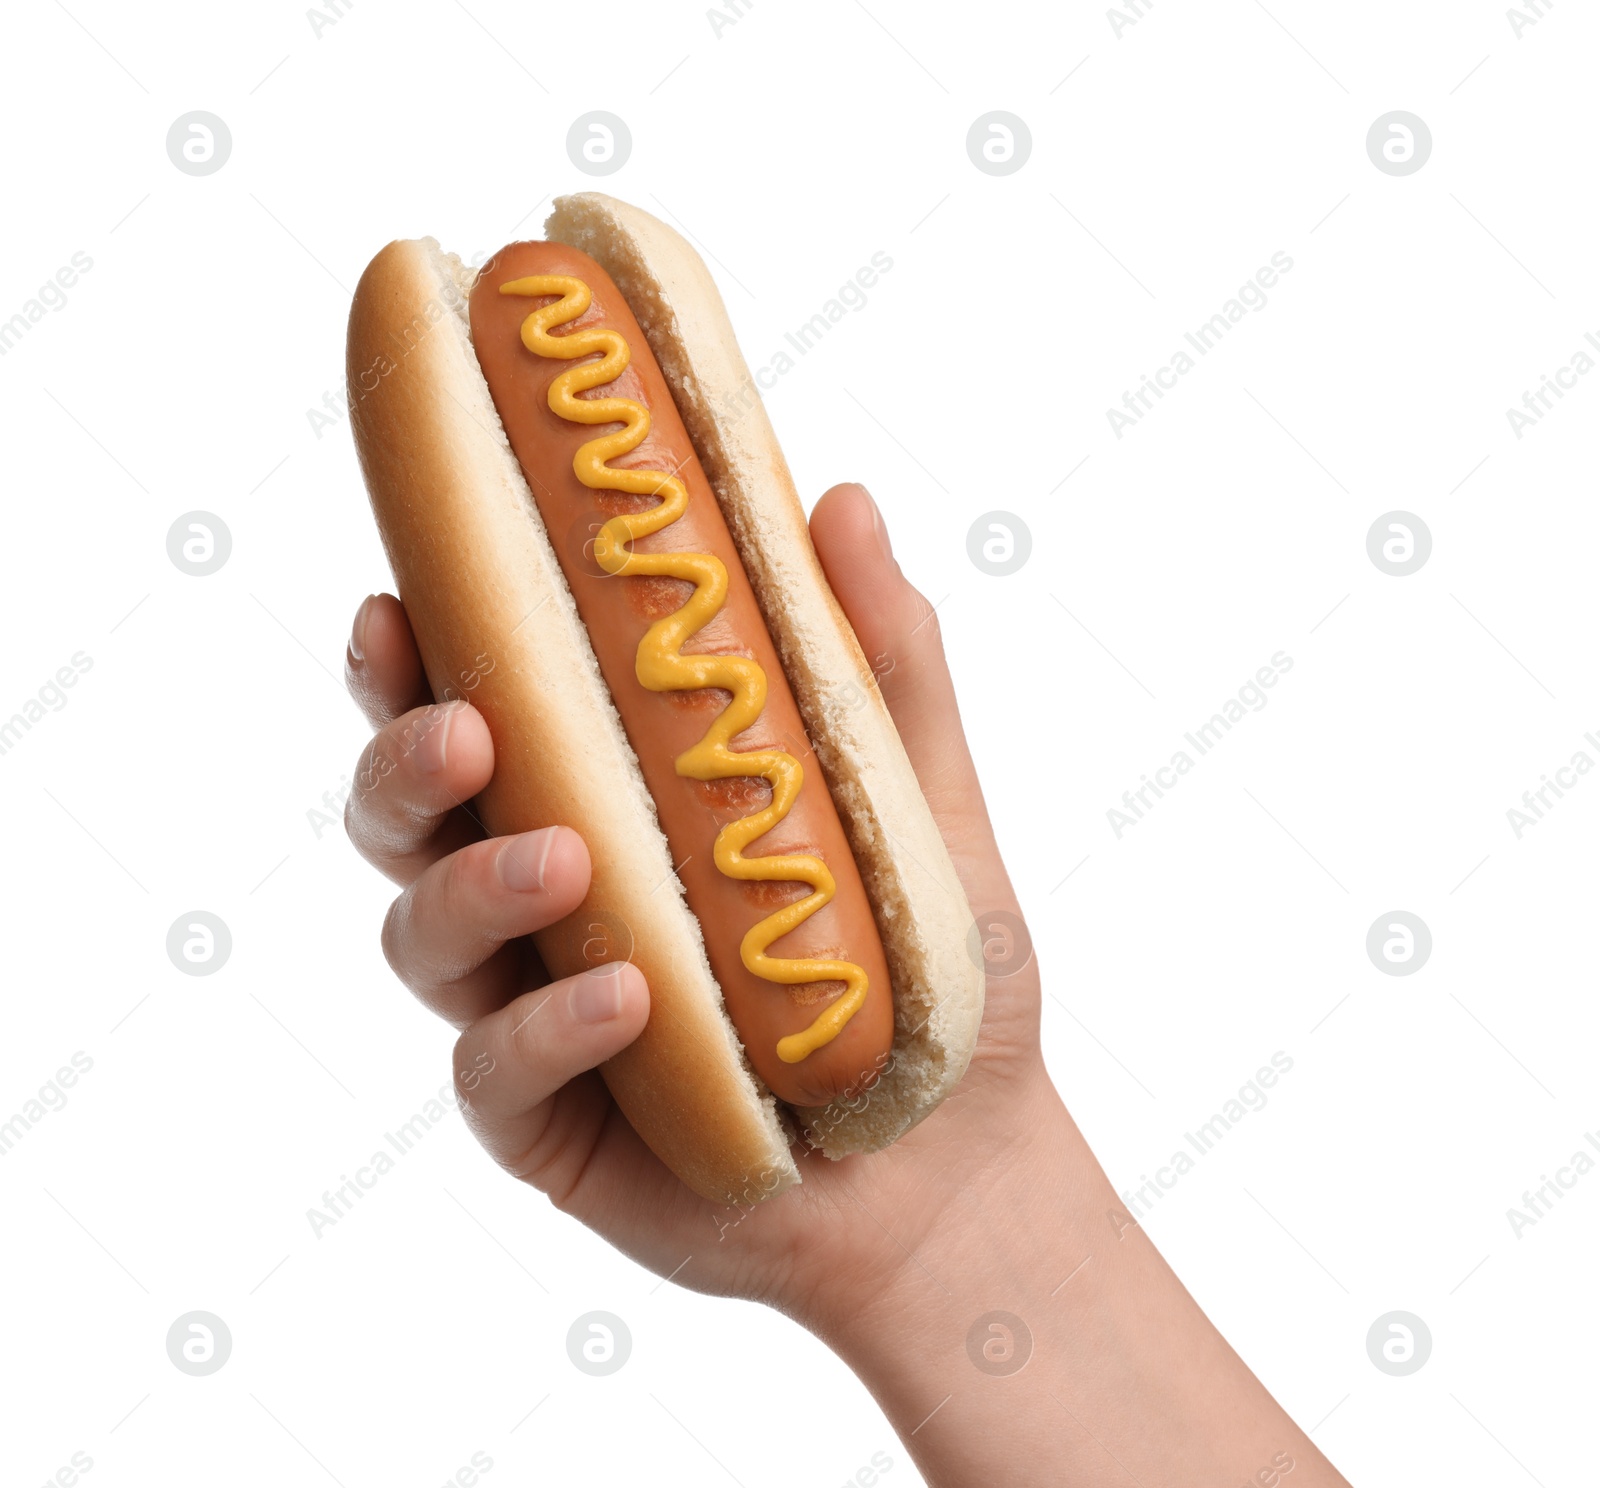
(993, 1204)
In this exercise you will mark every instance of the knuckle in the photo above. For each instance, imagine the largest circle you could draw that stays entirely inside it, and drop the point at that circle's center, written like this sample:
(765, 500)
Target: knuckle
(431, 935)
(528, 1038)
(353, 806)
(396, 935)
(462, 899)
(524, 1138)
(359, 804)
(409, 730)
(385, 817)
(537, 1158)
(470, 1065)
(458, 891)
(531, 1164)
(924, 618)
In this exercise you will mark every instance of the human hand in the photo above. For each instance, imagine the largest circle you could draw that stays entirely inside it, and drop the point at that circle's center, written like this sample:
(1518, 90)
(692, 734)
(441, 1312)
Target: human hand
(457, 936)
(994, 1203)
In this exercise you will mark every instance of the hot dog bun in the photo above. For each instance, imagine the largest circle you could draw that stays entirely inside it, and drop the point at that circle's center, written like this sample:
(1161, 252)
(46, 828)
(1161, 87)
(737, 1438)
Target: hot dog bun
(496, 622)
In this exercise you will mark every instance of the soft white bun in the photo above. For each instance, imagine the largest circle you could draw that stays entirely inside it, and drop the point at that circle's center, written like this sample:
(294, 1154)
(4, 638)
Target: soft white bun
(496, 623)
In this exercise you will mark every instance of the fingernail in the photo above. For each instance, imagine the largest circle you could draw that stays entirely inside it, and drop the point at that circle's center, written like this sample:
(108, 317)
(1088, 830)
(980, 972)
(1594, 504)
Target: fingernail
(596, 996)
(879, 529)
(522, 860)
(358, 630)
(431, 746)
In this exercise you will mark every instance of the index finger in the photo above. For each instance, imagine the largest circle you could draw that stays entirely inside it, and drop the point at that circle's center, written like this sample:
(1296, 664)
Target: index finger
(382, 666)
(409, 803)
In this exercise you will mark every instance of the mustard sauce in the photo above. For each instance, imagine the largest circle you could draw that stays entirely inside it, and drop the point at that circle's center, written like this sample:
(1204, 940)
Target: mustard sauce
(660, 664)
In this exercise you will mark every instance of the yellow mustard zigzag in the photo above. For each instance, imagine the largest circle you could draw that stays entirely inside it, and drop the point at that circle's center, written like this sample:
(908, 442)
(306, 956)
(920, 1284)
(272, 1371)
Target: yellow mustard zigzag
(660, 664)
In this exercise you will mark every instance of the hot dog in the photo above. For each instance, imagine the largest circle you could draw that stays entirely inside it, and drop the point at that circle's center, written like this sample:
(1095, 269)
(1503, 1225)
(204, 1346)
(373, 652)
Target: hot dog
(597, 542)
(833, 954)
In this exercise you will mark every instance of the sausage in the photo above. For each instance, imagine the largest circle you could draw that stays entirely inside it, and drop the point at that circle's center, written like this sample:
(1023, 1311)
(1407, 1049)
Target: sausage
(681, 669)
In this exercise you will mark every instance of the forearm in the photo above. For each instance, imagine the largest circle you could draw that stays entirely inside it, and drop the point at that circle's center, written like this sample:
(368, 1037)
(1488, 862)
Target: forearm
(1103, 1368)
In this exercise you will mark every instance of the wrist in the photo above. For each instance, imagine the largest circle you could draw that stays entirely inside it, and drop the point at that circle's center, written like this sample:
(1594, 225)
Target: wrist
(1028, 1336)
(1003, 1226)
(962, 1344)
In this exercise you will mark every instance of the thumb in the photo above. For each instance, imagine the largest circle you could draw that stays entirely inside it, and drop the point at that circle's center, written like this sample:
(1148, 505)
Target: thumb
(899, 631)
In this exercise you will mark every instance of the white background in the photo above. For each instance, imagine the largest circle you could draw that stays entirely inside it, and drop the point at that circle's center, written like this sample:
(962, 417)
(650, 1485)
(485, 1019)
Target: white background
(1230, 524)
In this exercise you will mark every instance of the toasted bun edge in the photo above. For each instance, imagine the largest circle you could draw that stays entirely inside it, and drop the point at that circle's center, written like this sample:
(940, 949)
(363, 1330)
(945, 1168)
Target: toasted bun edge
(496, 624)
(918, 900)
